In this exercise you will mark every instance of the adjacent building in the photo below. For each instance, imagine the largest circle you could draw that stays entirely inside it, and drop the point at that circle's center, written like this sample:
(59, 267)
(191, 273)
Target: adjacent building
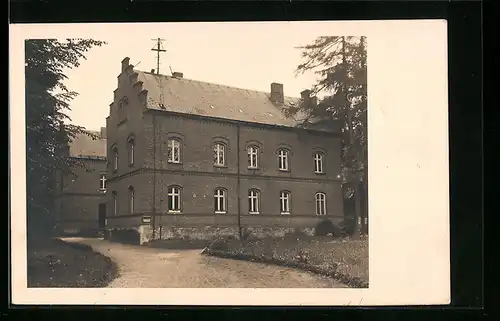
(80, 200)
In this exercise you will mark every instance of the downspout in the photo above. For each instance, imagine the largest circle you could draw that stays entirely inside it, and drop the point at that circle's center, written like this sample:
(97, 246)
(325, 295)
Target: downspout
(238, 177)
(154, 177)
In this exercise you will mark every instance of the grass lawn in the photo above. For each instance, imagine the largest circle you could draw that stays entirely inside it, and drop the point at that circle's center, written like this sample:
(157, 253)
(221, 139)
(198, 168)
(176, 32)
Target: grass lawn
(344, 259)
(54, 263)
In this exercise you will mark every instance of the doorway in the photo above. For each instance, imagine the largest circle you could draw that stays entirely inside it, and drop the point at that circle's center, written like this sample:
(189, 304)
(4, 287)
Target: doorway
(102, 215)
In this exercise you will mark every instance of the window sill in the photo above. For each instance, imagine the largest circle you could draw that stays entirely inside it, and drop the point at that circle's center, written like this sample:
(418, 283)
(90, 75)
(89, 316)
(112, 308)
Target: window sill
(174, 212)
(254, 213)
(220, 166)
(285, 213)
(253, 168)
(320, 173)
(174, 163)
(218, 212)
(284, 170)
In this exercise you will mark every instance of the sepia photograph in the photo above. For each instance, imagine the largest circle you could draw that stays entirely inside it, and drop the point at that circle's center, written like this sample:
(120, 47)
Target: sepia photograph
(211, 156)
(185, 182)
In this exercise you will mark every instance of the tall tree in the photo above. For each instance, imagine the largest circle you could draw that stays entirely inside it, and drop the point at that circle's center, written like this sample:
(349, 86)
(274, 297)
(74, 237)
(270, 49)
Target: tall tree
(47, 129)
(340, 63)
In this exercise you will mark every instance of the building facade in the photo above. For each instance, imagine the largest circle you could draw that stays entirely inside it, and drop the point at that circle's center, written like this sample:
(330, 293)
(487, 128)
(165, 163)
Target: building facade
(80, 200)
(198, 160)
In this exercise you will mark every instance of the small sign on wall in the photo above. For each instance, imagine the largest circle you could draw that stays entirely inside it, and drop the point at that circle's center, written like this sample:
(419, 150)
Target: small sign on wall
(146, 219)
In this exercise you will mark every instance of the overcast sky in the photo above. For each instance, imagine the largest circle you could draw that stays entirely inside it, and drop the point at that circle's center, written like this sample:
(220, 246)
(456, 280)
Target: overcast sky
(245, 55)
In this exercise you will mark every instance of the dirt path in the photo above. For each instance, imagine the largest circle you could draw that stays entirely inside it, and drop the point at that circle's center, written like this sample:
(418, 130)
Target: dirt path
(142, 267)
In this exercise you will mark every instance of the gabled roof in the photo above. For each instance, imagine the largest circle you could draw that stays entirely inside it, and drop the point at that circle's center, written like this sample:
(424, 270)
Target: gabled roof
(183, 95)
(84, 146)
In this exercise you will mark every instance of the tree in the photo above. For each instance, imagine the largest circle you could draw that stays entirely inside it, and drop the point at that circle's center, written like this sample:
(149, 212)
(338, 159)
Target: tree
(47, 129)
(340, 63)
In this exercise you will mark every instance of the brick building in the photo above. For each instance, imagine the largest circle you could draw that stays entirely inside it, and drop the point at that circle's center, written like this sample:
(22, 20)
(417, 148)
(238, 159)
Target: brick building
(80, 198)
(194, 159)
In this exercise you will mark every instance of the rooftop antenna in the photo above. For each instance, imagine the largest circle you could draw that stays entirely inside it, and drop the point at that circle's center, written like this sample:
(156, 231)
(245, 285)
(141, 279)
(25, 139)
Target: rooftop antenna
(137, 64)
(171, 72)
(158, 48)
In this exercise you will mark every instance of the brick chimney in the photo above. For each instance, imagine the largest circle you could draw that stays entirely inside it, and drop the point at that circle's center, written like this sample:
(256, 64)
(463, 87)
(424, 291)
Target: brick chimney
(125, 63)
(277, 93)
(103, 133)
(177, 74)
(305, 94)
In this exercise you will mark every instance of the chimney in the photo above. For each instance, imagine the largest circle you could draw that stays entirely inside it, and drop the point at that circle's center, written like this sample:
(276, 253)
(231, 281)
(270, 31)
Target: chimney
(103, 133)
(305, 94)
(152, 71)
(177, 74)
(277, 93)
(125, 63)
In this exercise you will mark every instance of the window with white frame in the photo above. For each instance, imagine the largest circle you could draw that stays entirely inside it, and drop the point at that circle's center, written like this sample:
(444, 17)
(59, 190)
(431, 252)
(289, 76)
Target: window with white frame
(285, 202)
(253, 156)
(174, 151)
(131, 197)
(220, 201)
(283, 160)
(318, 162)
(131, 151)
(219, 154)
(253, 201)
(174, 199)
(116, 159)
(102, 181)
(320, 204)
(114, 203)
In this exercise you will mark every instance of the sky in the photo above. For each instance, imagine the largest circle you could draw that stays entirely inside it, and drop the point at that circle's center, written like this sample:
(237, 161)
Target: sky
(244, 55)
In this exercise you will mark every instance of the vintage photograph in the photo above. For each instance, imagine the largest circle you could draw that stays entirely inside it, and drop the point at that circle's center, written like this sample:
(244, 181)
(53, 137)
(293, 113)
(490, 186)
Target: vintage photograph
(192, 161)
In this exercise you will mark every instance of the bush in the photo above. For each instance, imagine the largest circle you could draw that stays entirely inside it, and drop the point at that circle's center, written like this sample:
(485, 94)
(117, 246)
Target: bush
(324, 228)
(348, 225)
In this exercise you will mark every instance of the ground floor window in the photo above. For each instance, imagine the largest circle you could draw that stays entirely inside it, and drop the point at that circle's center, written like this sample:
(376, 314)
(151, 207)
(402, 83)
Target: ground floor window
(285, 202)
(220, 201)
(174, 199)
(320, 204)
(253, 201)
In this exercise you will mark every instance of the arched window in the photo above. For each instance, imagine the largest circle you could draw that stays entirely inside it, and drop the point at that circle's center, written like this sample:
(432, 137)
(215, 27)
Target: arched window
(253, 201)
(115, 158)
(320, 204)
(174, 199)
(220, 201)
(131, 198)
(318, 162)
(131, 150)
(114, 204)
(219, 154)
(102, 181)
(285, 202)
(283, 159)
(174, 150)
(253, 156)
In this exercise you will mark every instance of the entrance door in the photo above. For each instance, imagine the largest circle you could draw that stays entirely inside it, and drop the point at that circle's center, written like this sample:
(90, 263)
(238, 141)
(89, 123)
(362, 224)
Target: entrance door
(102, 215)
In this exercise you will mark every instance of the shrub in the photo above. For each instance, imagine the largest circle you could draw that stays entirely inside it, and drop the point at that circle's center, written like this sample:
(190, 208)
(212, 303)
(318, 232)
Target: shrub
(348, 225)
(324, 227)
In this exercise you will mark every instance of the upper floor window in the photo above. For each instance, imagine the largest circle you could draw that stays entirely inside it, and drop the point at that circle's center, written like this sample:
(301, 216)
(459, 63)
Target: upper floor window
(285, 202)
(102, 181)
(115, 158)
(174, 199)
(253, 156)
(283, 160)
(131, 198)
(219, 154)
(114, 203)
(253, 201)
(174, 151)
(220, 201)
(131, 150)
(318, 162)
(320, 204)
